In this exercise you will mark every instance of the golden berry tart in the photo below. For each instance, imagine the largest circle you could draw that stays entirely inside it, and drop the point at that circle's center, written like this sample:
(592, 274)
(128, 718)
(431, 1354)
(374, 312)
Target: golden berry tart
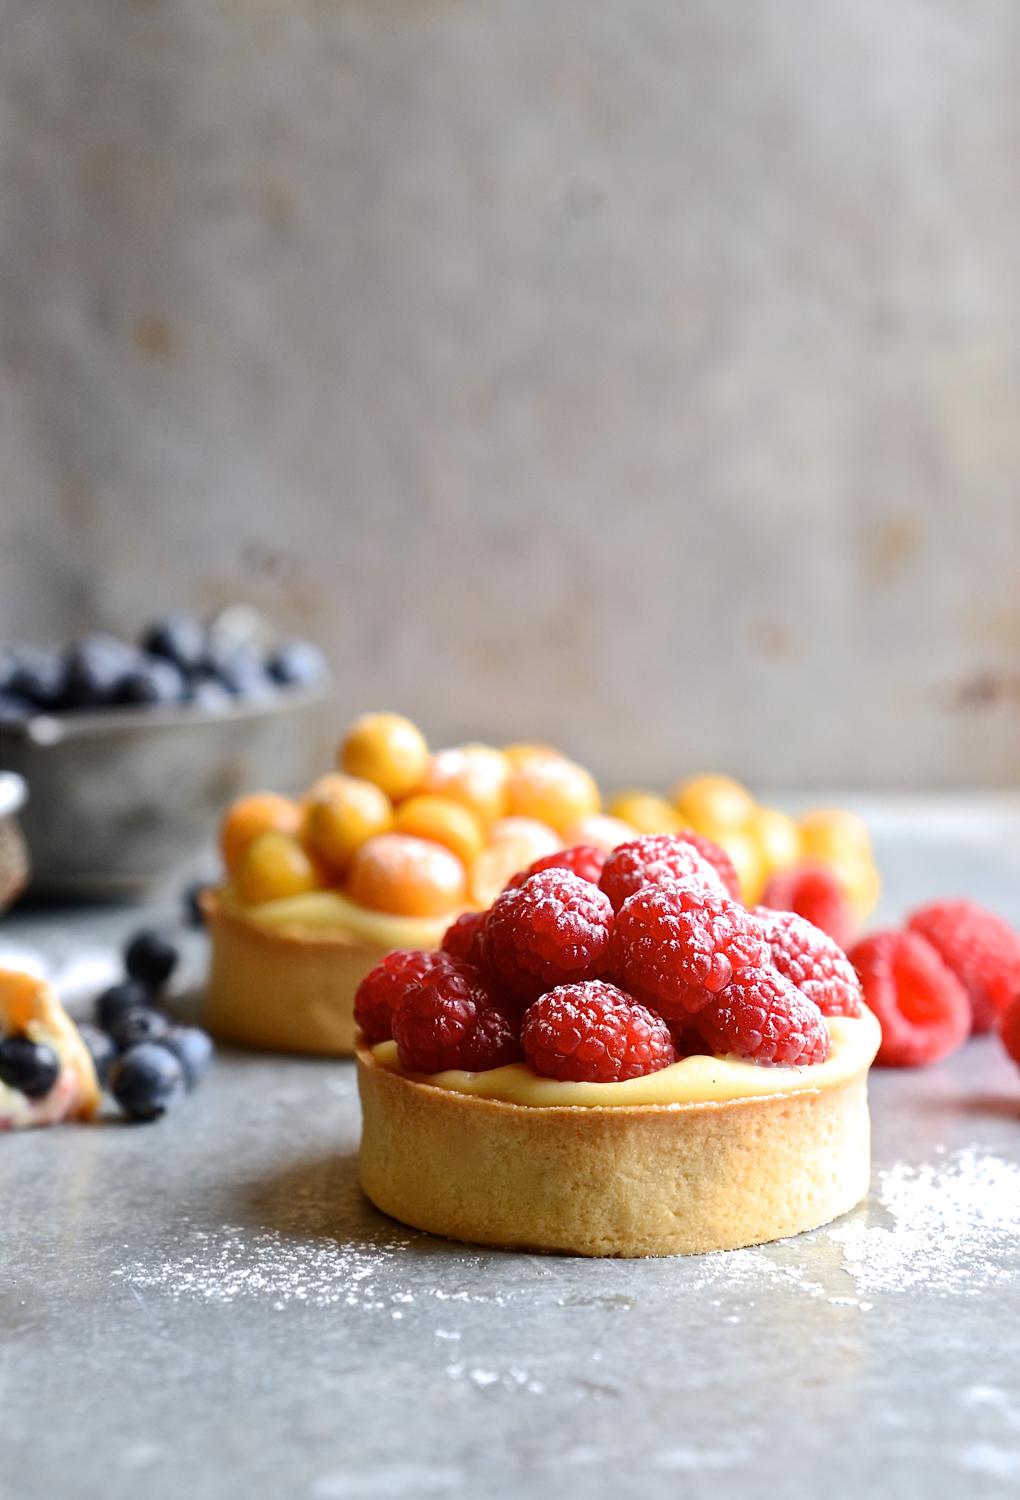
(617, 1063)
(29, 1008)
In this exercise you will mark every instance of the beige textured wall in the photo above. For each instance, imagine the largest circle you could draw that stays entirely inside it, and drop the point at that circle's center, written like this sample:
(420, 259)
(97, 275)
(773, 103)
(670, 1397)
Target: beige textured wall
(636, 374)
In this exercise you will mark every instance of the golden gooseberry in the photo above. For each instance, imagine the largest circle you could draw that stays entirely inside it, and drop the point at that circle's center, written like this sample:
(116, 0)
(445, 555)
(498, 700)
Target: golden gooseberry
(712, 803)
(475, 775)
(553, 790)
(647, 812)
(829, 833)
(777, 837)
(388, 750)
(527, 750)
(444, 821)
(341, 812)
(514, 844)
(861, 881)
(600, 830)
(245, 819)
(273, 867)
(748, 862)
(408, 877)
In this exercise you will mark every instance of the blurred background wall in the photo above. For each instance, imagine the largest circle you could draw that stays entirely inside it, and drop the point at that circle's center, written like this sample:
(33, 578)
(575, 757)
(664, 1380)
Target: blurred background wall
(639, 375)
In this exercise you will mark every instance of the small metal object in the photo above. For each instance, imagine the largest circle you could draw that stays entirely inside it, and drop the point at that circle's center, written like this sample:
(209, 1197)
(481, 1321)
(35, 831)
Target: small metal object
(15, 866)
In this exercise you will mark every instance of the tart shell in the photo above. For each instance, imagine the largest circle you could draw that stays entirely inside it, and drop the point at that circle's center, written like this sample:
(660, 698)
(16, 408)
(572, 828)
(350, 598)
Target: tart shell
(637, 1180)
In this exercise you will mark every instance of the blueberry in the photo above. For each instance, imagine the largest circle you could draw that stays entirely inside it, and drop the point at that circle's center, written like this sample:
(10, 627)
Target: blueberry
(14, 709)
(40, 676)
(209, 694)
(182, 638)
(244, 674)
(139, 1024)
(8, 669)
(193, 1049)
(151, 956)
(101, 1048)
(147, 1081)
(98, 665)
(129, 994)
(154, 680)
(297, 664)
(31, 1067)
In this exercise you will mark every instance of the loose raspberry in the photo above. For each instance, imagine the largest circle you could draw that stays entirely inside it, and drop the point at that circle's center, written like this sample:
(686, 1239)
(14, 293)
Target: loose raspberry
(713, 854)
(383, 988)
(463, 938)
(594, 1033)
(762, 1016)
(980, 948)
(650, 860)
(450, 1020)
(552, 930)
(581, 859)
(677, 944)
(813, 891)
(921, 1005)
(1009, 1028)
(812, 961)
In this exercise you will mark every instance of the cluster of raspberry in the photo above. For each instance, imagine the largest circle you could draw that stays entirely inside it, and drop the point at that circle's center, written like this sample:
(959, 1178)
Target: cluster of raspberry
(598, 968)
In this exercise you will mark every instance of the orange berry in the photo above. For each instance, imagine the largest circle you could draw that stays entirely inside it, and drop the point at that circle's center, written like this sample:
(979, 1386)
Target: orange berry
(599, 830)
(514, 844)
(341, 812)
(712, 803)
(833, 833)
(245, 819)
(274, 866)
(647, 812)
(475, 775)
(777, 836)
(861, 881)
(518, 754)
(407, 877)
(386, 749)
(444, 822)
(552, 790)
(748, 860)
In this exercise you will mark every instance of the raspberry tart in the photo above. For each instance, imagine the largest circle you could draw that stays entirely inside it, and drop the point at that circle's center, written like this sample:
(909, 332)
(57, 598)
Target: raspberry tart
(46, 1073)
(626, 1065)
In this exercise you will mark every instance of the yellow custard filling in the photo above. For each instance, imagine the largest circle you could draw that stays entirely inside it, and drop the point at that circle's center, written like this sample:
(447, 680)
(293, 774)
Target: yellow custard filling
(693, 1080)
(322, 913)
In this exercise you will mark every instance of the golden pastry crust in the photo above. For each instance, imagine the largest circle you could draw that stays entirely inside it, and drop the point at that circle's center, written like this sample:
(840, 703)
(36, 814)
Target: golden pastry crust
(29, 1006)
(640, 1180)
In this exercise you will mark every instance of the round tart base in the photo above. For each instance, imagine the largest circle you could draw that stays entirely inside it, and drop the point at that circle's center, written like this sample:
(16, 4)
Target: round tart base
(634, 1180)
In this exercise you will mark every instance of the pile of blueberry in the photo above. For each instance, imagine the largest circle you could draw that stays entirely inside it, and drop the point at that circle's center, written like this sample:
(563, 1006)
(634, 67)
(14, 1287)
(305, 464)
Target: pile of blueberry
(146, 1062)
(178, 659)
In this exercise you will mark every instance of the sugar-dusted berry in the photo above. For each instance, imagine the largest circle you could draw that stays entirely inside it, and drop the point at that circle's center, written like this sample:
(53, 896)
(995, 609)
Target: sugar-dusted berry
(980, 948)
(594, 1033)
(761, 1016)
(406, 876)
(920, 1004)
(651, 859)
(812, 961)
(715, 855)
(678, 944)
(385, 986)
(554, 929)
(463, 938)
(814, 892)
(450, 1019)
(581, 859)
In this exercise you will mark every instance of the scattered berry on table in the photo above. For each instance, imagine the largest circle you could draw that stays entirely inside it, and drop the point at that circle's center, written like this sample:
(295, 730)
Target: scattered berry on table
(128, 994)
(651, 859)
(552, 930)
(385, 986)
(29, 1066)
(980, 948)
(813, 891)
(921, 1006)
(812, 961)
(463, 938)
(594, 1033)
(139, 1024)
(450, 1019)
(677, 944)
(583, 860)
(147, 1081)
(763, 1017)
(193, 1049)
(151, 956)
(101, 1048)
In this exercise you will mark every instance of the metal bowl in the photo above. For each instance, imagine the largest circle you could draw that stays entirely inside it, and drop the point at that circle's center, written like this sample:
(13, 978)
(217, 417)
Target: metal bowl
(122, 796)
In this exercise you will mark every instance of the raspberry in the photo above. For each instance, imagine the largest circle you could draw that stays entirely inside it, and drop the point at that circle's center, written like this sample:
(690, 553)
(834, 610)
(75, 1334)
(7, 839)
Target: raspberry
(762, 1016)
(594, 1033)
(651, 859)
(717, 857)
(1009, 1028)
(450, 1020)
(551, 930)
(810, 959)
(582, 859)
(980, 948)
(812, 891)
(462, 939)
(383, 988)
(676, 945)
(921, 1005)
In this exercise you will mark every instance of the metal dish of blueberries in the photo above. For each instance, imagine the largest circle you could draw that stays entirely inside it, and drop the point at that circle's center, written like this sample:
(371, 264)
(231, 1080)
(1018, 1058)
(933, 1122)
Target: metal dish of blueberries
(131, 751)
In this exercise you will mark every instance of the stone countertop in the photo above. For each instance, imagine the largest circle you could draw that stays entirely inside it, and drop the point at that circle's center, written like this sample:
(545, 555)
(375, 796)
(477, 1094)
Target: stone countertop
(208, 1307)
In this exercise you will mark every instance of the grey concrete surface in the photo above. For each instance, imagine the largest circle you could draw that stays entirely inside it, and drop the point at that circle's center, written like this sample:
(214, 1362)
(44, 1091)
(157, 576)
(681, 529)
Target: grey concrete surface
(638, 376)
(208, 1307)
